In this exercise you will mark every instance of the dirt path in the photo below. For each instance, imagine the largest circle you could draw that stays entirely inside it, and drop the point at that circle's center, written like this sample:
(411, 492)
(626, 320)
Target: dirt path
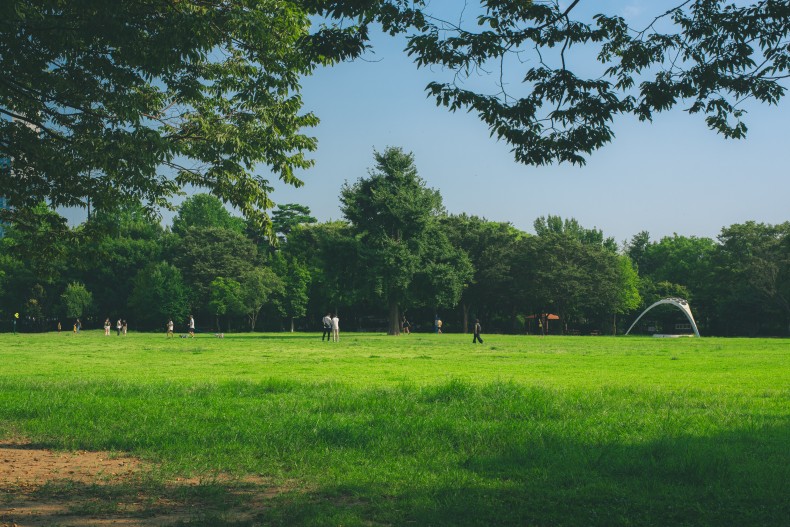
(40, 487)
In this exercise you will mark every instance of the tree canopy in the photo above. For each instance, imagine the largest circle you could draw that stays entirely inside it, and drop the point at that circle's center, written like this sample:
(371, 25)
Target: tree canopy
(158, 295)
(204, 210)
(76, 300)
(545, 226)
(560, 76)
(107, 102)
(288, 216)
(489, 247)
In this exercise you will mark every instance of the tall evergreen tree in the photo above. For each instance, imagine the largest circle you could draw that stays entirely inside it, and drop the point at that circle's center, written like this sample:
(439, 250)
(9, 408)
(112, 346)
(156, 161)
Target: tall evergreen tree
(407, 256)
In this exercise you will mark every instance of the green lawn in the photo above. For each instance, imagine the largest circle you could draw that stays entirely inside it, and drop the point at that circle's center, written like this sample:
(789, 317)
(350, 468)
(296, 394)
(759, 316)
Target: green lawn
(427, 429)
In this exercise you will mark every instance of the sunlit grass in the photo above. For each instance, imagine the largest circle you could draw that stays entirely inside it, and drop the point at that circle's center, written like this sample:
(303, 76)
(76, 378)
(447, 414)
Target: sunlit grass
(430, 429)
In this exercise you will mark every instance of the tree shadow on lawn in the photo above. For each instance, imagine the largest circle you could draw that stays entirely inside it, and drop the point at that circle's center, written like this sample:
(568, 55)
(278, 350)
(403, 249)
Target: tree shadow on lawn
(132, 503)
(735, 479)
(738, 478)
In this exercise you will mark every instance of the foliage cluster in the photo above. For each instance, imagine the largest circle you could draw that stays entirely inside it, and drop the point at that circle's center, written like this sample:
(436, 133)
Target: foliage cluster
(398, 253)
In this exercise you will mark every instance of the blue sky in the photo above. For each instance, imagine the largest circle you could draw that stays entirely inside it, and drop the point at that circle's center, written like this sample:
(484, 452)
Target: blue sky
(671, 176)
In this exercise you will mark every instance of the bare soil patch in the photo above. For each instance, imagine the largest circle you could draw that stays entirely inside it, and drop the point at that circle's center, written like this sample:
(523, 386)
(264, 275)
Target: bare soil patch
(40, 487)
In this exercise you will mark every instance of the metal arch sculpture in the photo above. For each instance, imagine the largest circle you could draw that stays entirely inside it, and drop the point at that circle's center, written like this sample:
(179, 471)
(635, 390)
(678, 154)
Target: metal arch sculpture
(680, 303)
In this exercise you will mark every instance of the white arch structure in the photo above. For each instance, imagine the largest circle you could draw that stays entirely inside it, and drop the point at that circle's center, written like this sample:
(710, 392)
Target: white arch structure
(679, 303)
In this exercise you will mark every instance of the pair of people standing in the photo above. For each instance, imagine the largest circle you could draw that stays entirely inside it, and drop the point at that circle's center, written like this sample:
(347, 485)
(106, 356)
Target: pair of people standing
(331, 327)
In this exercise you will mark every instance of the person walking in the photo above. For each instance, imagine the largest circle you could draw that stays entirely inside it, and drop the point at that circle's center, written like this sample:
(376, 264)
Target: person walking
(118, 326)
(336, 328)
(124, 327)
(406, 325)
(107, 326)
(169, 327)
(191, 326)
(477, 331)
(327, 322)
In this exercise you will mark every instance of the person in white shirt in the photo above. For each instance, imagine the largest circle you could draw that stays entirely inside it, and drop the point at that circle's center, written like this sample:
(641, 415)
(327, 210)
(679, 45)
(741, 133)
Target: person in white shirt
(335, 328)
(191, 326)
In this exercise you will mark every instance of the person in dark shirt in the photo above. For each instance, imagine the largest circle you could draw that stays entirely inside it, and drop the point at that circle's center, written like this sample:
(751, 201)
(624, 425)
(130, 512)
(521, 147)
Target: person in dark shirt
(478, 329)
(405, 325)
(327, 322)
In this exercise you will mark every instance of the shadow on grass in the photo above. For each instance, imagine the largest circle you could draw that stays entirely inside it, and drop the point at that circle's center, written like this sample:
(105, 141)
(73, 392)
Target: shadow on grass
(65, 502)
(739, 478)
(735, 479)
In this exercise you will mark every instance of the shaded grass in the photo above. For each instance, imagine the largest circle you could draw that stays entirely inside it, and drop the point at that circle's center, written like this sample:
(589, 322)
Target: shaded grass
(540, 432)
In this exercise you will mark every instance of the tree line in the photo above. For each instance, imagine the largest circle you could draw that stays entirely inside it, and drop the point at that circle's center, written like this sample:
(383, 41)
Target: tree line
(397, 253)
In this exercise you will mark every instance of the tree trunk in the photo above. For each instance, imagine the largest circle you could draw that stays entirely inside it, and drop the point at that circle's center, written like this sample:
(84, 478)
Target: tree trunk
(614, 324)
(292, 324)
(465, 308)
(394, 319)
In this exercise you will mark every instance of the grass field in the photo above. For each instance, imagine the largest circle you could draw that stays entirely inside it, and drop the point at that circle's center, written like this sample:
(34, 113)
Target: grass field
(419, 429)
